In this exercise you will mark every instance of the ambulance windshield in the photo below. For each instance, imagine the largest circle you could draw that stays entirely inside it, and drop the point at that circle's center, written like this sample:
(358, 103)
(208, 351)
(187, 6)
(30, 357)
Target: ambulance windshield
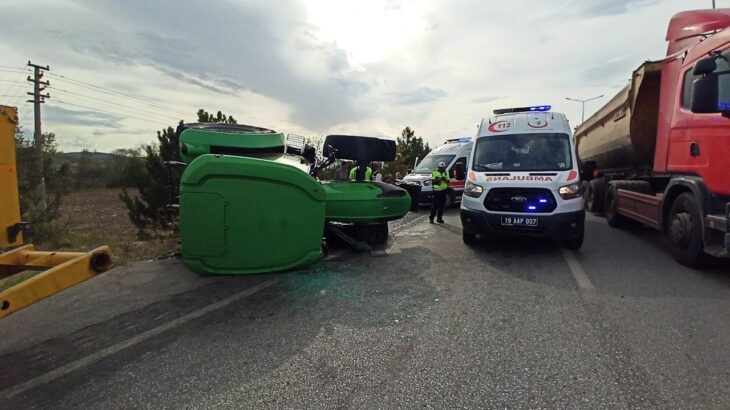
(523, 152)
(431, 162)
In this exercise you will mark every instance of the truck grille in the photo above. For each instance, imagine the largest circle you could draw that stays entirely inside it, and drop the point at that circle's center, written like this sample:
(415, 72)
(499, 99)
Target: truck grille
(523, 200)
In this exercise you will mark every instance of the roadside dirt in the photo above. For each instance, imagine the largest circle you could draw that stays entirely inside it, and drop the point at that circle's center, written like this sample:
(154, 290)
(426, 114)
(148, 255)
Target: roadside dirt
(98, 217)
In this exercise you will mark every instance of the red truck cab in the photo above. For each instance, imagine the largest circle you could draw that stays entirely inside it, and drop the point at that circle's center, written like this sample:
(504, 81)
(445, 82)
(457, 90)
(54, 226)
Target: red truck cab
(696, 143)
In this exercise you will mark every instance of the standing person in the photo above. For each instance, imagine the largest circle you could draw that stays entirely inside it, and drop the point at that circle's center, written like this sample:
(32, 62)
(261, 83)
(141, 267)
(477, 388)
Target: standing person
(377, 175)
(440, 182)
(398, 176)
(361, 172)
(343, 172)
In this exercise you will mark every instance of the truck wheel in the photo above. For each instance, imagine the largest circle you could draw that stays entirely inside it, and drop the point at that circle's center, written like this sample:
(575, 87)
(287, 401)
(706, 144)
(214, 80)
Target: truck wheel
(587, 194)
(468, 237)
(596, 195)
(574, 243)
(611, 208)
(685, 232)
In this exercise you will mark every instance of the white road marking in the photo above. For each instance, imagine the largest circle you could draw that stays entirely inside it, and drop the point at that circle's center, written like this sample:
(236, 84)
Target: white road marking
(117, 347)
(579, 274)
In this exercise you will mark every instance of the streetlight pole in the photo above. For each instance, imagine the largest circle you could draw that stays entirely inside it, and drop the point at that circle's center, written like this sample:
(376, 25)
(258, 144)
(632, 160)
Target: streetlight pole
(713, 4)
(583, 103)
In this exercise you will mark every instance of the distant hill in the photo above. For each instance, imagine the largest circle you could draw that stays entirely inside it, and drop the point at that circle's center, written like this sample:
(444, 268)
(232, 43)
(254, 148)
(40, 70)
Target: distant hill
(73, 157)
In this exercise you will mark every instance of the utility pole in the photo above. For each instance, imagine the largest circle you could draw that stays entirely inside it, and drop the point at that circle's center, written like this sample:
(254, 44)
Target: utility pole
(37, 179)
(583, 102)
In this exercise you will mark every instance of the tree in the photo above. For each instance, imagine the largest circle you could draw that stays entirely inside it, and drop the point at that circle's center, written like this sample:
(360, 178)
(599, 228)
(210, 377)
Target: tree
(409, 148)
(160, 186)
(204, 116)
(149, 208)
(89, 172)
(126, 168)
(55, 175)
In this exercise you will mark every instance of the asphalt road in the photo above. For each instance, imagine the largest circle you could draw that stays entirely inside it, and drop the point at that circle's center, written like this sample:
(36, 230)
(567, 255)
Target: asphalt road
(430, 323)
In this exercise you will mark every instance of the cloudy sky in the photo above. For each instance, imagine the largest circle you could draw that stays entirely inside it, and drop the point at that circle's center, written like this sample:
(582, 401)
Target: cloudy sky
(120, 70)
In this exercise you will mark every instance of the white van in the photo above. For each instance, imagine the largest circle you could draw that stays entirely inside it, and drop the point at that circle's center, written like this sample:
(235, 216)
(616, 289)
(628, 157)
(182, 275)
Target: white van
(455, 153)
(524, 179)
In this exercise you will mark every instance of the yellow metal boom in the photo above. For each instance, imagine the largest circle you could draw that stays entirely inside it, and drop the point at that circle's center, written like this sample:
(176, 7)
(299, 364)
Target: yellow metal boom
(61, 270)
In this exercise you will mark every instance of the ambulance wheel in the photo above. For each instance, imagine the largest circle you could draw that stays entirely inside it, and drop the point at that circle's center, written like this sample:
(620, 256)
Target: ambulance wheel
(468, 237)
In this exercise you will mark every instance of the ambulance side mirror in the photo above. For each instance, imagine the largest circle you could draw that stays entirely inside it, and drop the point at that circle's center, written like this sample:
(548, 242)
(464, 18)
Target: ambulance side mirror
(458, 172)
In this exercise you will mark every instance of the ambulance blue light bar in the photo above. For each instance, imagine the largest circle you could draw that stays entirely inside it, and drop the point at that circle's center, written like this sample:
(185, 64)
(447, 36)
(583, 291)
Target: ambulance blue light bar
(462, 139)
(534, 108)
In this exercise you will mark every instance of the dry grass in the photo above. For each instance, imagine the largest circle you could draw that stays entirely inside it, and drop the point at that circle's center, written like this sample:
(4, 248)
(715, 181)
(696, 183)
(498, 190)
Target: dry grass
(94, 218)
(97, 217)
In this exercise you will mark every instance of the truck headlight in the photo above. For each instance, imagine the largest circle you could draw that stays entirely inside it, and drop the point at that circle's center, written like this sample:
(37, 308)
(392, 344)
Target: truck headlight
(473, 190)
(570, 191)
(427, 182)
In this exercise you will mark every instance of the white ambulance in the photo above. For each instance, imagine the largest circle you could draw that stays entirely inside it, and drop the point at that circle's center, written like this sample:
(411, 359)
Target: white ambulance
(454, 153)
(523, 178)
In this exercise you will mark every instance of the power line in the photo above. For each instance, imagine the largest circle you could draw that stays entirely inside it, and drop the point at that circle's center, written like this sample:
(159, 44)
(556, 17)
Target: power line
(15, 68)
(106, 112)
(18, 93)
(112, 103)
(13, 81)
(14, 71)
(15, 89)
(112, 92)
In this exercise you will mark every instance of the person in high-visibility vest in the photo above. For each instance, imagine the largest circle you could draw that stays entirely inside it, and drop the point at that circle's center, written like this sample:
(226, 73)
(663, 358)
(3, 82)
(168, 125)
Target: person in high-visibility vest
(361, 172)
(440, 183)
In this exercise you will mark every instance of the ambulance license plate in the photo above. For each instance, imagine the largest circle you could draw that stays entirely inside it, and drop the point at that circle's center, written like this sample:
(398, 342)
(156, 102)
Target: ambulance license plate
(518, 221)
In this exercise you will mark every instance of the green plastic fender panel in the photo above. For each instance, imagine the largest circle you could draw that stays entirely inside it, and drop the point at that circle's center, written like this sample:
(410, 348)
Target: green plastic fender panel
(242, 215)
(365, 202)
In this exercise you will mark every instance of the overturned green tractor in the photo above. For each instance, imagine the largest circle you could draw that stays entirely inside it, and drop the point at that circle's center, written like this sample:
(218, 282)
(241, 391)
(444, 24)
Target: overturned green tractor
(249, 203)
